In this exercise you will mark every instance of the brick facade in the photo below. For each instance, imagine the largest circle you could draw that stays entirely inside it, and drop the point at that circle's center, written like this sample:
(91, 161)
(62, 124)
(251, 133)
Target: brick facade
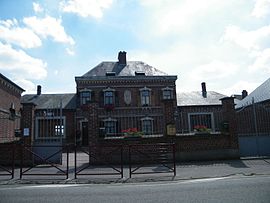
(161, 111)
(10, 95)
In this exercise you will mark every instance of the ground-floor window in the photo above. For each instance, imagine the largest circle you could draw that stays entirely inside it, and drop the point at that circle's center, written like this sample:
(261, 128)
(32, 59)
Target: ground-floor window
(110, 126)
(200, 121)
(147, 126)
(50, 127)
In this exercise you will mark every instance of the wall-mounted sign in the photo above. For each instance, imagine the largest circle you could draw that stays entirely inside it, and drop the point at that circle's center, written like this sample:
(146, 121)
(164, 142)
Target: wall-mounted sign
(26, 132)
(171, 130)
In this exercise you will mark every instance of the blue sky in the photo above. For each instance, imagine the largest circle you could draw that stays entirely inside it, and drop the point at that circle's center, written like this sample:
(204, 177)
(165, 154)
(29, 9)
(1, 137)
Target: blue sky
(223, 43)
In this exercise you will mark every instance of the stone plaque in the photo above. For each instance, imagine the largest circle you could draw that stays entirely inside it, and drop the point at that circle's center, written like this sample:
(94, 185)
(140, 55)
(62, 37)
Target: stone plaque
(127, 97)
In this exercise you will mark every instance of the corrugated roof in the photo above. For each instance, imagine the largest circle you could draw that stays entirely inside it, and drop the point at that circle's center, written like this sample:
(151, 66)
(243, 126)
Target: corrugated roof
(123, 70)
(51, 101)
(195, 98)
(260, 94)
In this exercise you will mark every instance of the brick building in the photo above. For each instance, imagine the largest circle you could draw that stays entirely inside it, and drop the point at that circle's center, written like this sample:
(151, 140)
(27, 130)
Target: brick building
(117, 97)
(199, 108)
(49, 118)
(10, 95)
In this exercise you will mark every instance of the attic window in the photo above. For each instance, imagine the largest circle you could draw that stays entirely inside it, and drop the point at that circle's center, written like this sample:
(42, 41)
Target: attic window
(137, 73)
(110, 74)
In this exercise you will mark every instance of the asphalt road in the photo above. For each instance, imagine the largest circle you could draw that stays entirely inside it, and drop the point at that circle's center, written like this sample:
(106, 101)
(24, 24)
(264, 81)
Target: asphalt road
(231, 189)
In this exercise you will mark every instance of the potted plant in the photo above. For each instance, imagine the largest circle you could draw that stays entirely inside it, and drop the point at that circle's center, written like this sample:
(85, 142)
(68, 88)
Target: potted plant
(132, 133)
(201, 129)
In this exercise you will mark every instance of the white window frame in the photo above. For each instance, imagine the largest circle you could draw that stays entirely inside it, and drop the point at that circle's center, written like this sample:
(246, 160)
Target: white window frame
(145, 130)
(145, 99)
(110, 120)
(201, 113)
(112, 97)
(37, 137)
(167, 90)
(84, 100)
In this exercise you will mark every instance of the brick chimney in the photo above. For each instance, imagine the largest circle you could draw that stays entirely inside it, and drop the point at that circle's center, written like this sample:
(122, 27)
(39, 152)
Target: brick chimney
(204, 92)
(122, 60)
(244, 94)
(39, 90)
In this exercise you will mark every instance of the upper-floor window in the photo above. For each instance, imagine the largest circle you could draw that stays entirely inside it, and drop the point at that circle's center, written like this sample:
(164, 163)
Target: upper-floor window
(109, 96)
(145, 96)
(85, 96)
(167, 93)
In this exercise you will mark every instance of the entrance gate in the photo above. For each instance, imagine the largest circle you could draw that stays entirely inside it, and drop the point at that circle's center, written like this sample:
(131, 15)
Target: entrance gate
(49, 133)
(253, 123)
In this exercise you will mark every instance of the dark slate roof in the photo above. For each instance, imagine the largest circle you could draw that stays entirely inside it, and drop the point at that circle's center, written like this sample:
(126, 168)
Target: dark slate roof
(196, 99)
(123, 70)
(50, 101)
(260, 94)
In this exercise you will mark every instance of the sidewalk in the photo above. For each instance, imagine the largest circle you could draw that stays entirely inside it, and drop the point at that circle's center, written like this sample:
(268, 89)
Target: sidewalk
(184, 171)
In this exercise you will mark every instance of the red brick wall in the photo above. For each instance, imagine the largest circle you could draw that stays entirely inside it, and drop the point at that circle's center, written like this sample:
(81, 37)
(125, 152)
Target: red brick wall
(8, 95)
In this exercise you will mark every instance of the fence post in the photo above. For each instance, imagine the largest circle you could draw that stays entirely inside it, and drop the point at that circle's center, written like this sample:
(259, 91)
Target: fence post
(67, 159)
(255, 125)
(174, 167)
(75, 160)
(13, 161)
(21, 149)
(122, 175)
(129, 160)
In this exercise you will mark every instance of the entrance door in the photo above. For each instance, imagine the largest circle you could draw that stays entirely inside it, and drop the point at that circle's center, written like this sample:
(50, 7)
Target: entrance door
(84, 133)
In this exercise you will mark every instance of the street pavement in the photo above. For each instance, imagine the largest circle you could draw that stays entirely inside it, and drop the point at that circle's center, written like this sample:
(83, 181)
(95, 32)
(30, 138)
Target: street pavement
(184, 171)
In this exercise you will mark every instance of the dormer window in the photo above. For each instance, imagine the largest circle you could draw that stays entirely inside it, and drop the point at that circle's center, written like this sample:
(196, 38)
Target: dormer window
(85, 96)
(167, 93)
(145, 96)
(109, 96)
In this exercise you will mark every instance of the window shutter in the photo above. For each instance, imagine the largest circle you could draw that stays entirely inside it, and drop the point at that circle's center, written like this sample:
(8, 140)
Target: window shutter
(93, 96)
(101, 99)
(116, 95)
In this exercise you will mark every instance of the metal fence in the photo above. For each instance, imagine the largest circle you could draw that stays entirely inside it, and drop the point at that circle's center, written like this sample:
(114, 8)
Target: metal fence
(152, 158)
(97, 161)
(7, 160)
(33, 163)
(89, 162)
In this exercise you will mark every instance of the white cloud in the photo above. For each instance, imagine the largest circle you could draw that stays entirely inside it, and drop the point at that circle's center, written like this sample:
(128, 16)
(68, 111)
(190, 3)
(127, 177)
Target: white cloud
(239, 86)
(262, 62)
(27, 85)
(49, 26)
(261, 8)
(255, 39)
(70, 52)
(37, 8)
(213, 71)
(86, 8)
(174, 16)
(21, 65)
(10, 32)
